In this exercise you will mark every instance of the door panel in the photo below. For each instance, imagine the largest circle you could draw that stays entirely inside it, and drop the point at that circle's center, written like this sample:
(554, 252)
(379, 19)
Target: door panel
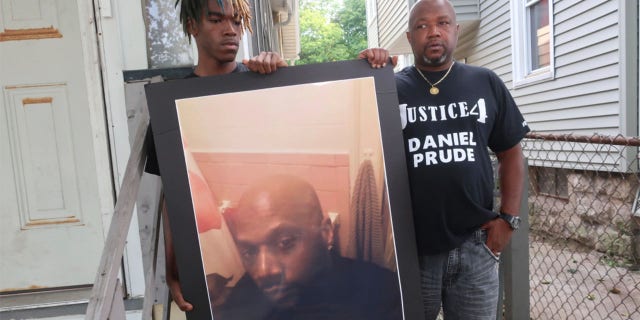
(51, 233)
(38, 121)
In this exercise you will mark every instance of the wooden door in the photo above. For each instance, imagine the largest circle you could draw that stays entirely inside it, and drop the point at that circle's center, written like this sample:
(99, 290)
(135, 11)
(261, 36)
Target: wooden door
(53, 146)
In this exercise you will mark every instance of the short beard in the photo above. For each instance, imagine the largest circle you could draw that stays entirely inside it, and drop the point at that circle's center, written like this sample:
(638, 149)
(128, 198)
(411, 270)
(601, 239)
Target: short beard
(435, 63)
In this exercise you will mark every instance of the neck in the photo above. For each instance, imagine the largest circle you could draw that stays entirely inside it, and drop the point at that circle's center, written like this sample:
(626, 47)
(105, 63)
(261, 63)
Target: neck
(212, 68)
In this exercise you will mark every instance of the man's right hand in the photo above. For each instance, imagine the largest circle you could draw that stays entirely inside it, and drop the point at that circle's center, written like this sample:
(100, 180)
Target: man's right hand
(176, 293)
(265, 62)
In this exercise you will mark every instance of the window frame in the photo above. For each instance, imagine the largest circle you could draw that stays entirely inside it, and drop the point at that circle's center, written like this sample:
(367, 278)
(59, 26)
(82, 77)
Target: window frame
(521, 44)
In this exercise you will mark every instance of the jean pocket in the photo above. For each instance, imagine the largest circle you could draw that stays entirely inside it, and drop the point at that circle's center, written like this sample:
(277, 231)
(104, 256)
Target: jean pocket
(486, 248)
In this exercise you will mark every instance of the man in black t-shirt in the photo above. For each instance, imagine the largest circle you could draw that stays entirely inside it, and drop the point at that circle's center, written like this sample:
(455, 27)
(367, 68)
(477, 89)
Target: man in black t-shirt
(217, 27)
(452, 114)
(284, 243)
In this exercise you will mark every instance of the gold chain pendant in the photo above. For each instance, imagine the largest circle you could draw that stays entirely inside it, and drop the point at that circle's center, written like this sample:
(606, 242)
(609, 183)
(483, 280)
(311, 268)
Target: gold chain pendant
(434, 90)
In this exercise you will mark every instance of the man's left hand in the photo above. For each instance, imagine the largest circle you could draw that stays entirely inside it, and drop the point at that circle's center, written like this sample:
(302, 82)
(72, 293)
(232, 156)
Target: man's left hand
(265, 62)
(498, 235)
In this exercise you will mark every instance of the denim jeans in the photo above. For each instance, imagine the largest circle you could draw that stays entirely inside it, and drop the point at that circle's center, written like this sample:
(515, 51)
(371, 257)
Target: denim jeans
(464, 281)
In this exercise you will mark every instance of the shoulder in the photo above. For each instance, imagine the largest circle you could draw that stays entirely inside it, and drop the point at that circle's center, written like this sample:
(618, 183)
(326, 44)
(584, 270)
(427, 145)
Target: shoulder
(478, 71)
(405, 78)
(405, 74)
(370, 286)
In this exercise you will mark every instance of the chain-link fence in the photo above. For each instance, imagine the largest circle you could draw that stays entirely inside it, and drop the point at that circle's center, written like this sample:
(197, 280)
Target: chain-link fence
(584, 226)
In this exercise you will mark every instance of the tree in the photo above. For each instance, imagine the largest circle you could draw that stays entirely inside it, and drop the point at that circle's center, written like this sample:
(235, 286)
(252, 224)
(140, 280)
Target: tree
(331, 31)
(352, 18)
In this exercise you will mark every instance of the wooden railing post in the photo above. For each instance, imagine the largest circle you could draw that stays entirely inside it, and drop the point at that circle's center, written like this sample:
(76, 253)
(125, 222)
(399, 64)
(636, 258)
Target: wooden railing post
(514, 265)
(101, 300)
(150, 273)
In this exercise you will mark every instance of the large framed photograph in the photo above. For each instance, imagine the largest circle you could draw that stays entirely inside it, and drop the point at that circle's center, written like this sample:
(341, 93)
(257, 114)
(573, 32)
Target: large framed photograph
(287, 194)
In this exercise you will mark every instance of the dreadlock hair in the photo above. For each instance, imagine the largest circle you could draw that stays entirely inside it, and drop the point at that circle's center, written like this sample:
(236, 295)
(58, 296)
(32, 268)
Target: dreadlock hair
(193, 9)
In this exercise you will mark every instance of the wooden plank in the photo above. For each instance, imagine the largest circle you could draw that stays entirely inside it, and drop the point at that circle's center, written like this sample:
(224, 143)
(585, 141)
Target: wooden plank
(150, 273)
(101, 296)
(117, 310)
(148, 204)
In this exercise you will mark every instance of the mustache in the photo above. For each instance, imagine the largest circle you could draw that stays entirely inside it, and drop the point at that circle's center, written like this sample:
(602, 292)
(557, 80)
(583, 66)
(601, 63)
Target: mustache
(230, 42)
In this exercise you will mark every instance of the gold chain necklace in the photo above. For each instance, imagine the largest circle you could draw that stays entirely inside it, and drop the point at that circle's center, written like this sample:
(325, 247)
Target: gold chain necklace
(434, 90)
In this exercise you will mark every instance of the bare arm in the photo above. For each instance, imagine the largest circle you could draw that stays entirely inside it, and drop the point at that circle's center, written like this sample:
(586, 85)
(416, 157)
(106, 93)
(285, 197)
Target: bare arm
(170, 264)
(511, 173)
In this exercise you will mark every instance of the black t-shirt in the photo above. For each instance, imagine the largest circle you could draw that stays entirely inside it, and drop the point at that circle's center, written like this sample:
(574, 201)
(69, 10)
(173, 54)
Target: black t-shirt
(350, 290)
(151, 166)
(447, 140)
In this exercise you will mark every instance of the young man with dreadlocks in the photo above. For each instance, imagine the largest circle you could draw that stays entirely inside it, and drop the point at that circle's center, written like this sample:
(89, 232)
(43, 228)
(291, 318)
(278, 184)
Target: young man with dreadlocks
(217, 27)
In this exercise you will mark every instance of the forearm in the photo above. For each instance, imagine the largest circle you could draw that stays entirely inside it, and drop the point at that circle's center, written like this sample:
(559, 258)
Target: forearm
(511, 173)
(170, 259)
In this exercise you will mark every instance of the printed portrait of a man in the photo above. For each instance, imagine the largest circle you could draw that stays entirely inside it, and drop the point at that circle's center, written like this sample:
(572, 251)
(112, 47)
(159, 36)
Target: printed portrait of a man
(289, 196)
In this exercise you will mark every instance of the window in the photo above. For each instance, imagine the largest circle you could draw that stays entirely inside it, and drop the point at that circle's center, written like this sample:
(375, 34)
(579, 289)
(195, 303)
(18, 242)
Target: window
(550, 182)
(532, 40)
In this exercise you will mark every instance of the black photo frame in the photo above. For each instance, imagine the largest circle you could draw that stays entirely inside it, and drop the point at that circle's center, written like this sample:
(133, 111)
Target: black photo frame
(163, 99)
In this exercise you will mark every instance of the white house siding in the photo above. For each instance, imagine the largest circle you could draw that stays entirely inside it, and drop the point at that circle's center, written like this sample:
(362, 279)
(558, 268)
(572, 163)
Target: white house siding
(584, 96)
(493, 43)
(372, 23)
(466, 9)
(393, 18)
(290, 34)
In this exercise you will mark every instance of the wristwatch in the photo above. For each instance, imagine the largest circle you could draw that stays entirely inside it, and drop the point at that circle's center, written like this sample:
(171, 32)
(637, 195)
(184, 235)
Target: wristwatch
(513, 221)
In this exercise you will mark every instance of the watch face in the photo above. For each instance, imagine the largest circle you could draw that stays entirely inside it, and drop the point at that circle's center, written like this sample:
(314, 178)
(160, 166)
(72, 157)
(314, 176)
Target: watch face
(515, 223)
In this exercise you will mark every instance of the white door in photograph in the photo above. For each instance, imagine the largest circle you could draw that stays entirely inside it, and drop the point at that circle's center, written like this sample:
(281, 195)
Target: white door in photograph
(53, 147)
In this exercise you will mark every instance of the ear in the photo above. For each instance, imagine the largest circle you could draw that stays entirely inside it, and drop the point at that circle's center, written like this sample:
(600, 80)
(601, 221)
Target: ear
(228, 214)
(192, 27)
(408, 33)
(327, 232)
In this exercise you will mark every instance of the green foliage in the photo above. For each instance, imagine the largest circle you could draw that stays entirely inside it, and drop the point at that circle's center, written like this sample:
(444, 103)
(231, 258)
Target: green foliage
(353, 20)
(331, 30)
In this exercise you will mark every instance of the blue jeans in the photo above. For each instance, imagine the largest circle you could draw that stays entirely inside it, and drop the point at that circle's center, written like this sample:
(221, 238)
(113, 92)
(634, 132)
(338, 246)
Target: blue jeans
(464, 281)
